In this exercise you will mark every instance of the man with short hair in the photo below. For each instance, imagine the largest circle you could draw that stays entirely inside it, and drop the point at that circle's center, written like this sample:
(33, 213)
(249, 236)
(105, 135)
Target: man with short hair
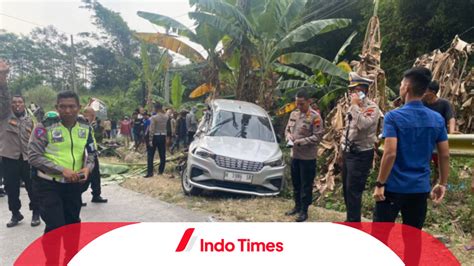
(157, 133)
(63, 153)
(443, 107)
(411, 133)
(440, 105)
(357, 144)
(303, 133)
(15, 130)
(94, 180)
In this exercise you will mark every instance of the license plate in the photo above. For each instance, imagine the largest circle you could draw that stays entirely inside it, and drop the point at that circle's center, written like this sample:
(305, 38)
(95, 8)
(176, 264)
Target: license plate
(238, 177)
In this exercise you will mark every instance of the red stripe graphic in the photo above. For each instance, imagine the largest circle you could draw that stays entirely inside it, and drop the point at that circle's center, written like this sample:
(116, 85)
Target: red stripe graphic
(413, 246)
(59, 246)
(185, 239)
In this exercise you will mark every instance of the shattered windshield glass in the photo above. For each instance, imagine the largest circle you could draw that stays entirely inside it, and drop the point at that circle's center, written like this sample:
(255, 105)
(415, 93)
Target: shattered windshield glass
(238, 125)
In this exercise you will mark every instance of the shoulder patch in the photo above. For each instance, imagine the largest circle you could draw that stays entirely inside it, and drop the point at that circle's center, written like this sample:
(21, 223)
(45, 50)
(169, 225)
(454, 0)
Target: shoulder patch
(317, 121)
(13, 122)
(40, 132)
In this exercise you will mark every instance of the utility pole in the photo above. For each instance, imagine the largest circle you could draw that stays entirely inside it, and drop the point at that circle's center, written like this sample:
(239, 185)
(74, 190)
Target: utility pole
(73, 66)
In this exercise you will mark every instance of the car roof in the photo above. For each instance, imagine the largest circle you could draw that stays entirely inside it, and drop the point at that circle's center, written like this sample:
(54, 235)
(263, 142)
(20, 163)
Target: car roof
(238, 107)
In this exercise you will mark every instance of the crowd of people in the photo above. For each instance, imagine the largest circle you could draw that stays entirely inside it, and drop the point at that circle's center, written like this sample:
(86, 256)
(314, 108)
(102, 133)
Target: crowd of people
(134, 129)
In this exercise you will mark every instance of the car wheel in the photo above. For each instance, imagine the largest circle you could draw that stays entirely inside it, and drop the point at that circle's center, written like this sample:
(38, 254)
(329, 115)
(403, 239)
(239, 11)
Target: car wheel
(188, 188)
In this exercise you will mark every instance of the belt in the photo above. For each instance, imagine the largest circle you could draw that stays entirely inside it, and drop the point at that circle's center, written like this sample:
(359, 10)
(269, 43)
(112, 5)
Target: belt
(159, 134)
(50, 178)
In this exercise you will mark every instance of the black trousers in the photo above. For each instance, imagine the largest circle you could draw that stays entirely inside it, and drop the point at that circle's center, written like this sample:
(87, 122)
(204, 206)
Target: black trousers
(1, 172)
(60, 204)
(93, 180)
(413, 208)
(15, 171)
(303, 173)
(159, 142)
(191, 136)
(355, 170)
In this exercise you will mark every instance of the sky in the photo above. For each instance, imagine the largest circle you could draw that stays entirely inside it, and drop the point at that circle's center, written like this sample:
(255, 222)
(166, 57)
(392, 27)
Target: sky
(21, 16)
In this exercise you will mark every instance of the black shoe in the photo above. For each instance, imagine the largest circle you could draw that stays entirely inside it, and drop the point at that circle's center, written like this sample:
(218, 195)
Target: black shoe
(16, 218)
(147, 176)
(292, 211)
(35, 219)
(302, 216)
(99, 199)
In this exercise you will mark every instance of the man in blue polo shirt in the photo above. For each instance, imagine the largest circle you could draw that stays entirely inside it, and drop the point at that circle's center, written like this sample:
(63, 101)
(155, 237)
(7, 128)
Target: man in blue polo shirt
(411, 133)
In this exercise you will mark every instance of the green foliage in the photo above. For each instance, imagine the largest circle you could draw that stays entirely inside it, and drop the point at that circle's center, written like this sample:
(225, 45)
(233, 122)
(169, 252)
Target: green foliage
(43, 96)
(311, 29)
(177, 90)
(408, 29)
(316, 63)
(114, 61)
(24, 83)
(171, 25)
(119, 36)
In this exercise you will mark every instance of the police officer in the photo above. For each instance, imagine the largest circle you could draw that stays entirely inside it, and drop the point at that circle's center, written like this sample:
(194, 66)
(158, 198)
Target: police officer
(357, 144)
(94, 180)
(160, 128)
(303, 133)
(15, 129)
(63, 153)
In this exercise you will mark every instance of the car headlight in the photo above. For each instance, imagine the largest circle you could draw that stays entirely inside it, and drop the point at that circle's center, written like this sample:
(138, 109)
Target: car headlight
(275, 163)
(204, 154)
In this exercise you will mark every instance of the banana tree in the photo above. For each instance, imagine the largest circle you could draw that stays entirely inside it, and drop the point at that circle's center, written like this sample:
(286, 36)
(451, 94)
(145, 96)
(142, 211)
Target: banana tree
(177, 90)
(151, 74)
(203, 36)
(267, 30)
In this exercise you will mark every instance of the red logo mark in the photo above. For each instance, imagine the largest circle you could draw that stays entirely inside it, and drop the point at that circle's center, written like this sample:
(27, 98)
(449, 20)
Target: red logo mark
(185, 239)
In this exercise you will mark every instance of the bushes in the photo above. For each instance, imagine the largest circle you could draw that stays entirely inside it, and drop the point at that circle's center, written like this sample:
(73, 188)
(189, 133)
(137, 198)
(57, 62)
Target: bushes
(43, 96)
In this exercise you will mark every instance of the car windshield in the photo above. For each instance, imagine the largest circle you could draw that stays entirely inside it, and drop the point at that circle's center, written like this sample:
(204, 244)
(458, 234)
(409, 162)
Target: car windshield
(238, 125)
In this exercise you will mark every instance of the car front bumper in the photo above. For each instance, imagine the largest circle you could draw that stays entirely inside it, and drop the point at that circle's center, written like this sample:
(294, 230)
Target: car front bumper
(206, 174)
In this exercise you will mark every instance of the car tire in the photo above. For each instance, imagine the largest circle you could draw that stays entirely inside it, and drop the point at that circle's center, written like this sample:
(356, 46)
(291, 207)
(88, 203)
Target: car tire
(188, 189)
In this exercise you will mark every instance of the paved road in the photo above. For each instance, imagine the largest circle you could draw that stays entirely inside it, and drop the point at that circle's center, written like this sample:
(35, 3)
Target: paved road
(124, 205)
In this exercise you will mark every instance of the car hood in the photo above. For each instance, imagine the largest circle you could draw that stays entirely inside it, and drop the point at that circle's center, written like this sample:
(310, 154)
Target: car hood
(239, 148)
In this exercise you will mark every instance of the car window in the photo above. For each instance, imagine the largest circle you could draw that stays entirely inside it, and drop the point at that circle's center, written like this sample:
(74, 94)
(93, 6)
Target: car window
(238, 125)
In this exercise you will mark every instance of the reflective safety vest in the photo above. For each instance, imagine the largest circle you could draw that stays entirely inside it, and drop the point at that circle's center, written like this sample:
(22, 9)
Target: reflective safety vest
(67, 147)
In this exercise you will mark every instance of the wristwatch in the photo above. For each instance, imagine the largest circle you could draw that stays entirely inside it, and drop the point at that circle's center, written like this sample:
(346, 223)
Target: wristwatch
(379, 184)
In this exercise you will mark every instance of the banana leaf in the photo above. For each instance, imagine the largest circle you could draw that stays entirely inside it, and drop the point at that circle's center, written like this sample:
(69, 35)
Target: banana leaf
(168, 23)
(200, 91)
(291, 71)
(311, 29)
(113, 169)
(171, 43)
(316, 62)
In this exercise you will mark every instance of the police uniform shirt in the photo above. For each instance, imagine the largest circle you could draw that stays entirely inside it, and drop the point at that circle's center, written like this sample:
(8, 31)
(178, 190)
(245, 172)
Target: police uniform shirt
(363, 127)
(39, 145)
(15, 131)
(307, 128)
(159, 125)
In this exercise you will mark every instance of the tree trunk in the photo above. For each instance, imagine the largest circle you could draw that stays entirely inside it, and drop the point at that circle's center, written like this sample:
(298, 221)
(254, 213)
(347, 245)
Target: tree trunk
(245, 91)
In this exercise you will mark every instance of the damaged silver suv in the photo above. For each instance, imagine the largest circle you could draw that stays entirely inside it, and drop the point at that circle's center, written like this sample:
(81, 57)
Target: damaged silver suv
(235, 150)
